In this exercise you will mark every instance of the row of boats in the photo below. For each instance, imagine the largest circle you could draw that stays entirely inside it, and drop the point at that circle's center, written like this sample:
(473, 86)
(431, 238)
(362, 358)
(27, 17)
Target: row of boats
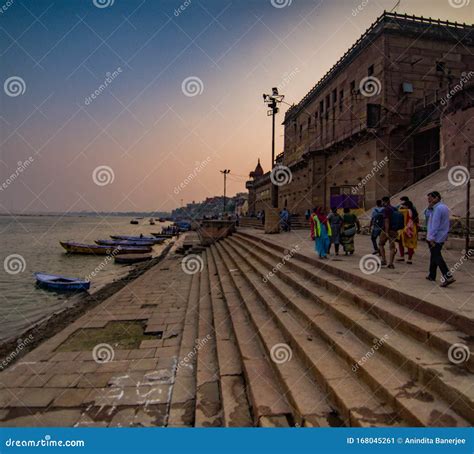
(125, 249)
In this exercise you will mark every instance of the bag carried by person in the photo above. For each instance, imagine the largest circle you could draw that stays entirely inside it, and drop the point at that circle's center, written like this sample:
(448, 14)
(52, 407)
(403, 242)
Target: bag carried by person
(397, 221)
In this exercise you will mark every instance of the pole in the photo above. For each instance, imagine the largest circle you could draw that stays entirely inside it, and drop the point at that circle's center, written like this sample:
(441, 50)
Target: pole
(273, 135)
(468, 201)
(225, 172)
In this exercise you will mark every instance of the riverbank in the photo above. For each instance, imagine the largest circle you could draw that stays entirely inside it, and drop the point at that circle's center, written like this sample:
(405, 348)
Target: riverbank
(55, 323)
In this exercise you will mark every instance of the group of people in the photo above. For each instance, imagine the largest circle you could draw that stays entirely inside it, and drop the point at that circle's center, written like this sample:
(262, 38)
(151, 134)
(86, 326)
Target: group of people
(396, 225)
(333, 229)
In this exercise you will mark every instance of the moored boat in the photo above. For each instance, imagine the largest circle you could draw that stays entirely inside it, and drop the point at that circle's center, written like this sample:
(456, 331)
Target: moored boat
(152, 221)
(162, 235)
(62, 283)
(138, 238)
(133, 258)
(125, 243)
(134, 222)
(94, 249)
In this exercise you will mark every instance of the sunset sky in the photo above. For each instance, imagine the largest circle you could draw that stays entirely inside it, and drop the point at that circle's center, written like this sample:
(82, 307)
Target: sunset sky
(148, 129)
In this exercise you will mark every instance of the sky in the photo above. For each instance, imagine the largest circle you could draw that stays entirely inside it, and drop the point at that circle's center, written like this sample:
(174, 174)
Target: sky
(137, 105)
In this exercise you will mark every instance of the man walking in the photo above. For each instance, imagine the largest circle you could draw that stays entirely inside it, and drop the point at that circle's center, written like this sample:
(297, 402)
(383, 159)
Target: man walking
(438, 229)
(391, 225)
(376, 225)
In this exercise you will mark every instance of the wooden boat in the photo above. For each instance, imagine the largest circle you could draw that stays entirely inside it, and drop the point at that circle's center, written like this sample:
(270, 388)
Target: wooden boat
(138, 238)
(61, 283)
(132, 258)
(125, 243)
(134, 222)
(152, 222)
(94, 249)
(162, 235)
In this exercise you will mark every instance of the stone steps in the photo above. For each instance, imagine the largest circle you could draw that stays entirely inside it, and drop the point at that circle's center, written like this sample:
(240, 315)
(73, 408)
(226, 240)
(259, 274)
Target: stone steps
(311, 363)
(264, 392)
(440, 329)
(310, 300)
(236, 410)
(307, 399)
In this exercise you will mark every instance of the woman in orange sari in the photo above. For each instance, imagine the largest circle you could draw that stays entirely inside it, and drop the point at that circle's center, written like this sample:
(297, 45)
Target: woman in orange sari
(408, 236)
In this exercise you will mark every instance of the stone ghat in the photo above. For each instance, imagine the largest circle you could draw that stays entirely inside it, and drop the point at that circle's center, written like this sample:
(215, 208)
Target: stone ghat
(248, 333)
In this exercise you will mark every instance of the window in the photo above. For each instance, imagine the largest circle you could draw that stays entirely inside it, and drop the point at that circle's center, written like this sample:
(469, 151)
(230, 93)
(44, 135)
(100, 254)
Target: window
(341, 99)
(328, 102)
(309, 122)
(334, 96)
(301, 132)
(440, 66)
(321, 107)
(370, 71)
(353, 86)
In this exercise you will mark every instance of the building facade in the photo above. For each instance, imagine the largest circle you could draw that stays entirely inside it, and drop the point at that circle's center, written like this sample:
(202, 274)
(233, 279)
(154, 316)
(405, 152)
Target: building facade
(378, 121)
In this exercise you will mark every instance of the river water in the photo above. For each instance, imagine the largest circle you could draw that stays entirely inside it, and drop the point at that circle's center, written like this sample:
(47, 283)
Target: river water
(31, 243)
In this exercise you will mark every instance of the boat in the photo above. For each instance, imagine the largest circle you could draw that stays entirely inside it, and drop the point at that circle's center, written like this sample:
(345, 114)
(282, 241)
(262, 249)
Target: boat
(162, 235)
(162, 220)
(124, 243)
(62, 283)
(94, 249)
(152, 222)
(134, 222)
(132, 258)
(138, 238)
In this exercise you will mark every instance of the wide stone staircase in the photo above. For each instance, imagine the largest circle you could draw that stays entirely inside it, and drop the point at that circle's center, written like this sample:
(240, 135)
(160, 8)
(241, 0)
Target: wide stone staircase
(286, 341)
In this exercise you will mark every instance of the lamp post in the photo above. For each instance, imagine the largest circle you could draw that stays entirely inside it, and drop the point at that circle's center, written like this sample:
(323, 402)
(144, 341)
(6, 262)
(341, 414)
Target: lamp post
(272, 102)
(225, 172)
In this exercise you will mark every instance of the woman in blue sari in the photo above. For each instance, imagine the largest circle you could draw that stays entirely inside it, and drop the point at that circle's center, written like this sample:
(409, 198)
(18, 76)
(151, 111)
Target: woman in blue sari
(322, 233)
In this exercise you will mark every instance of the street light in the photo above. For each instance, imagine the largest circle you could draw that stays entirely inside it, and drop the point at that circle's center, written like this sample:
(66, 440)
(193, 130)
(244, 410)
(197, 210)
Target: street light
(225, 172)
(272, 102)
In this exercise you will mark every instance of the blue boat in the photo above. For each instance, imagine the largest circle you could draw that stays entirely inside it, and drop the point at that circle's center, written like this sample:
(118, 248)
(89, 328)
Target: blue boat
(61, 283)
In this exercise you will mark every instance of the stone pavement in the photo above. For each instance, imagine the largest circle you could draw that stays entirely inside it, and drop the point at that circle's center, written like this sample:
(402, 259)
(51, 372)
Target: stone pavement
(107, 385)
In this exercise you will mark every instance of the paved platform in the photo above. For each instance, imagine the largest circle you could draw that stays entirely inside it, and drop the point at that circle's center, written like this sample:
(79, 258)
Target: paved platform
(107, 385)
(409, 280)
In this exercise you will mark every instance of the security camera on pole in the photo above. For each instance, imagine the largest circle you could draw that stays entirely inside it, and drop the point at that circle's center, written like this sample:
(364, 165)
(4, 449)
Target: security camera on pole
(271, 216)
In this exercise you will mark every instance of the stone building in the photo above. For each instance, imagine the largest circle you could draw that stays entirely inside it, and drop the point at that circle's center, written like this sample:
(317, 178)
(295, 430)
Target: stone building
(380, 119)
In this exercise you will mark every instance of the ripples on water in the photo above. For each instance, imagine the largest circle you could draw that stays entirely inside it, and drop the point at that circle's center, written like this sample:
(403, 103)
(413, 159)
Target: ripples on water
(36, 239)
